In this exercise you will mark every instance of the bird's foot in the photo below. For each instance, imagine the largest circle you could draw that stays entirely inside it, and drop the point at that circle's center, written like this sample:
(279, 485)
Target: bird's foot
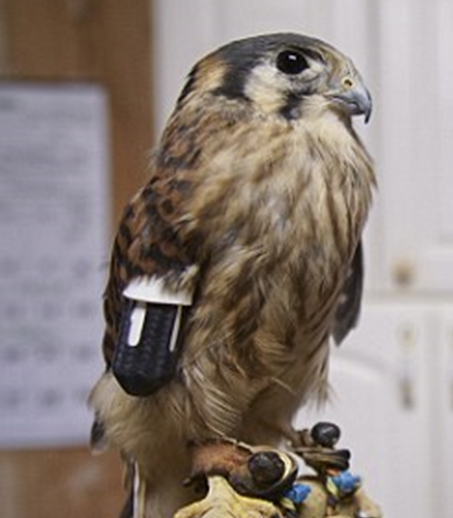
(259, 472)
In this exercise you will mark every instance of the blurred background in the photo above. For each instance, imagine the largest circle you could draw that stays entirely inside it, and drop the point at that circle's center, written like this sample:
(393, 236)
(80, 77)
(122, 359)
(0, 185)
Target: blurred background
(85, 89)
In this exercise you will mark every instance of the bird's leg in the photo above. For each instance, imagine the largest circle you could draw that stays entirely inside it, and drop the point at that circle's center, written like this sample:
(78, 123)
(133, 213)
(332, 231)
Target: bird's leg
(252, 471)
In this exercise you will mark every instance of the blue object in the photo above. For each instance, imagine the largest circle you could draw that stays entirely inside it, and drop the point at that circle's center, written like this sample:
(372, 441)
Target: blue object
(346, 482)
(298, 493)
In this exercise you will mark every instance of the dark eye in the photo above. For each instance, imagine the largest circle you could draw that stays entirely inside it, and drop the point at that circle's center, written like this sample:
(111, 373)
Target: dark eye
(291, 62)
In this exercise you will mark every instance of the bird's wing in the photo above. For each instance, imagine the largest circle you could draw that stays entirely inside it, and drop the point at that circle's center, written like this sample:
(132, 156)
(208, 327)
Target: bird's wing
(142, 314)
(348, 309)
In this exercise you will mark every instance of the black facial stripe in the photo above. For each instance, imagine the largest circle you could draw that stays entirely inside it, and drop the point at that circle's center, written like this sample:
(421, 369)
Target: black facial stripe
(233, 86)
(290, 110)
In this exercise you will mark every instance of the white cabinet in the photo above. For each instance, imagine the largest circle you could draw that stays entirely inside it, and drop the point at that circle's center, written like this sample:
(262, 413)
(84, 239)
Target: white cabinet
(383, 400)
(416, 152)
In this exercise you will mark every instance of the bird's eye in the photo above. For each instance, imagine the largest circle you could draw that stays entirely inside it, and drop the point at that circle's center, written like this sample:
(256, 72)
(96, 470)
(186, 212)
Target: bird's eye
(291, 62)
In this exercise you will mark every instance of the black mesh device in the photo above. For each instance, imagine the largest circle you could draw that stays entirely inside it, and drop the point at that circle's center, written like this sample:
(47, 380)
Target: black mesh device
(144, 368)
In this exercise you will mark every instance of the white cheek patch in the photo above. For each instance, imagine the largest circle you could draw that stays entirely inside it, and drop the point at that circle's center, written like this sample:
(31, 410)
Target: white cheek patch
(315, 70)
(267, 87)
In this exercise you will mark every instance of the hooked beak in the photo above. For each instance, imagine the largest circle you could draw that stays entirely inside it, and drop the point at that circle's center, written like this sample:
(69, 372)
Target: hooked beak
(353, 98)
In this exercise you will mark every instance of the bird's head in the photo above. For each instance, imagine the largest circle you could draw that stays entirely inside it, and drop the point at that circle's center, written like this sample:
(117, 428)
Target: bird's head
(286, 74)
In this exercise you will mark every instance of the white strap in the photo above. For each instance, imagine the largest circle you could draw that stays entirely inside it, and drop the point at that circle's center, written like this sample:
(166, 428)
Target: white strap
(137, 322)
(153, 289)
(138, 506)
(175, 332)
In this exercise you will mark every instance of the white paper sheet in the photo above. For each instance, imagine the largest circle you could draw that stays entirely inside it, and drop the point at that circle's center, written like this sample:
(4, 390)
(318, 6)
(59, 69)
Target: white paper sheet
(53, 233)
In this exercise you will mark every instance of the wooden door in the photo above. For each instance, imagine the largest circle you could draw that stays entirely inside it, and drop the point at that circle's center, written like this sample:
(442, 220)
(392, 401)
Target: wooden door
(108, 43)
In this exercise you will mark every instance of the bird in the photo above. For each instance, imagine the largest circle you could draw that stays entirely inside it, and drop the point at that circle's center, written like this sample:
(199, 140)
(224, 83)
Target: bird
(238, 262)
